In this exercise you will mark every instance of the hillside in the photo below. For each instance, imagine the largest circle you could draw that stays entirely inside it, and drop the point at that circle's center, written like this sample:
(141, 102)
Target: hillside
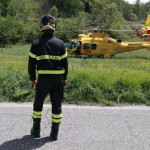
(21, 18)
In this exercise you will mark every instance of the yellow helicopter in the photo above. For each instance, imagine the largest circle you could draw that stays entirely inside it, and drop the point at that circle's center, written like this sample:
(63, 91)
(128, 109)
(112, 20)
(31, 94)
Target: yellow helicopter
(101, 44)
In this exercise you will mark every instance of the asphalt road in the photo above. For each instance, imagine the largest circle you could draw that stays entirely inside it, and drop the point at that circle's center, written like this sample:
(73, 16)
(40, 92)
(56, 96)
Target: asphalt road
(82, 128)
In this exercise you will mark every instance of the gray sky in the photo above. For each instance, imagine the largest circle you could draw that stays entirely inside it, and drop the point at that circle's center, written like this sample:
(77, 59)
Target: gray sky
(133, 1)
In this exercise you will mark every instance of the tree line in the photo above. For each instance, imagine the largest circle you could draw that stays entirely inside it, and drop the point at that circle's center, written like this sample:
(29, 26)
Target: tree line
(20, 18)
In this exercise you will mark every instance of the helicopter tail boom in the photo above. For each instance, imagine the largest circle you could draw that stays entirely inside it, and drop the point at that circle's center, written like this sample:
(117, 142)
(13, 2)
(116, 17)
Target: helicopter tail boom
(147, 46)
(130, 46)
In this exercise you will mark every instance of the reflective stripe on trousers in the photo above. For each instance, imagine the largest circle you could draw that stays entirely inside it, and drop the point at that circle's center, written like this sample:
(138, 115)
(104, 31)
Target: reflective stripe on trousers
(56, 118)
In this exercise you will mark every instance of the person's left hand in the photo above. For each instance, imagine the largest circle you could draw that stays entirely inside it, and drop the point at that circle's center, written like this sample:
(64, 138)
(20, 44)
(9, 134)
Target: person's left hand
(65, 82)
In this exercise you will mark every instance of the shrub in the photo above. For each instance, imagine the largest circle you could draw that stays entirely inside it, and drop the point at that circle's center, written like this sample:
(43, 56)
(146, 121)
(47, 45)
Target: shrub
(14, 86)
(13, 30)
(66, 29)
(133, 97)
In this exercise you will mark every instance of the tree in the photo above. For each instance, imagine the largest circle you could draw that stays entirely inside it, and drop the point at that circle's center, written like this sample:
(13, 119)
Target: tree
(136, 9)
(4, 7)
(13, 7)
(143, 12)
(26, 9)
(87, 5)
(120, 5)
(54, 11)
(129, 15)
(65, 25)
(66, 8)
(106, 15)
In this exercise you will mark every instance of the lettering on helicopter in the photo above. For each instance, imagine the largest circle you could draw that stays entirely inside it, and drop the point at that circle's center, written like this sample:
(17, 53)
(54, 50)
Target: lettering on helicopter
(86, 48)
(118, 49)
(87, 51)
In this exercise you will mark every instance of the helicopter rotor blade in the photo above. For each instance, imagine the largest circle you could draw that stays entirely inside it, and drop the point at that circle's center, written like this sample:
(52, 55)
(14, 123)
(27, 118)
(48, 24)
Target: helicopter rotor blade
(97, 30)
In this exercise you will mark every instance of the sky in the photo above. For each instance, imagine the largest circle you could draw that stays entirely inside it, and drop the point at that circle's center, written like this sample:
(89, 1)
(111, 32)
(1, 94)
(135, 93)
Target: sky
(133, 1)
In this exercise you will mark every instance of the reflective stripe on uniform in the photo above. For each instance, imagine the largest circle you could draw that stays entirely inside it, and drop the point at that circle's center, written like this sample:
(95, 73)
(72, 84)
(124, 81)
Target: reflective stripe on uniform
(32, 55)
(37, 114)
(57, 116)
(64, 56)
(56, 120)
(48, 57)
(50, 71)
(34, 116)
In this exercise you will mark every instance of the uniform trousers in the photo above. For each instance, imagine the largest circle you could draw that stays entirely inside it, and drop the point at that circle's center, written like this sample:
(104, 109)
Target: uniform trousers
(49, 85)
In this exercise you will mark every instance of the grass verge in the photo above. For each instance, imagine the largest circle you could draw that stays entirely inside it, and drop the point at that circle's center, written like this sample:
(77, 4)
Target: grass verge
(123, 79)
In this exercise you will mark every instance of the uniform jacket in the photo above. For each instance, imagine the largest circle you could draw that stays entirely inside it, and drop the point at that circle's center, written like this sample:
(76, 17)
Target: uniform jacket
(48, 56)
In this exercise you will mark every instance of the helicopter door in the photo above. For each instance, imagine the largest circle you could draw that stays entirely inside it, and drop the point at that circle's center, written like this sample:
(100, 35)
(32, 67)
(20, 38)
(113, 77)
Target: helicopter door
(86, 48)
(94, 46)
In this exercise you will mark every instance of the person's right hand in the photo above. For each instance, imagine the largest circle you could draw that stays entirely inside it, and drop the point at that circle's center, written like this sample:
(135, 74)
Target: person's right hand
(33, 85)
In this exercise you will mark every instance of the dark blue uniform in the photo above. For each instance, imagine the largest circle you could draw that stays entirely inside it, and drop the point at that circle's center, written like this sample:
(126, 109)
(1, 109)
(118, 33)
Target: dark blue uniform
(49, 57)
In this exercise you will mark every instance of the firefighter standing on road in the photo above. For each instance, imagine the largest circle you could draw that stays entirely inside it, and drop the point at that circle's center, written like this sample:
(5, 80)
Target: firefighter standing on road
(48, 56)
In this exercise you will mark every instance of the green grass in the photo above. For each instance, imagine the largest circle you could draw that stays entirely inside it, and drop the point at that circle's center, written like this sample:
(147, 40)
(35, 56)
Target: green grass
(123, 79)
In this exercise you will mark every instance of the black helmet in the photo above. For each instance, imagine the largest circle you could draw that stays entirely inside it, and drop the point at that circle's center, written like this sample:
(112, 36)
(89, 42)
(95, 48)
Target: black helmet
(48, 23)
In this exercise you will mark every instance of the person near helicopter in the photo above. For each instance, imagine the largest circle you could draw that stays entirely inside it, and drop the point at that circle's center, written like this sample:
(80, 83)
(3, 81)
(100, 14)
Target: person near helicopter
(78, 50)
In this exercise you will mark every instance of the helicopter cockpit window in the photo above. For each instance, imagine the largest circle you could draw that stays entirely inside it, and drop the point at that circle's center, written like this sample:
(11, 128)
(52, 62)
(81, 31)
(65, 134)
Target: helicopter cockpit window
(86, 46)
(71, 45)
(93, 47)
(74, 45)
